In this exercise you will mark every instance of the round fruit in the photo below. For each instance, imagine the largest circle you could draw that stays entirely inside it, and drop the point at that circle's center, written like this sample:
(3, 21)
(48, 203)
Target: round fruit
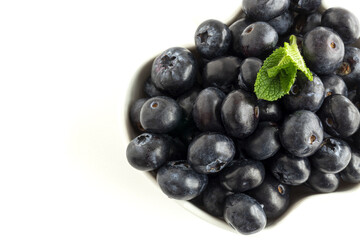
(302, 133)
(210, 152)
(339, 116)
(323, 50)
(264, 10)
(244, 214)
(212, 39)
(160, 115)
(345, 23)
(240, 113)
(179, 181)
(174, 71)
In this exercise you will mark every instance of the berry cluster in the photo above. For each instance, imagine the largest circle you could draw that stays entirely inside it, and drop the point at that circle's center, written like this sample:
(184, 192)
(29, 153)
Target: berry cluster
(209, 139)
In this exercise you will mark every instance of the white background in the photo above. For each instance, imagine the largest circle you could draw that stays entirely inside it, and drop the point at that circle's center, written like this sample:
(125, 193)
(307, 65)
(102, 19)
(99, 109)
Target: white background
(65, 67)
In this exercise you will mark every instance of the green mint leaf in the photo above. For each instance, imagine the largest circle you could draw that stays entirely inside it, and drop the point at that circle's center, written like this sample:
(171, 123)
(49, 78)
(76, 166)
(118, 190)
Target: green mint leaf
(278, 73)
(293, 52)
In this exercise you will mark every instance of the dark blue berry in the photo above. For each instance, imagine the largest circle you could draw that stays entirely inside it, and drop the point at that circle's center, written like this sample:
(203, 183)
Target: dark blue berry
(160, 115)
(264, 142)
(301, 133)
(270, 111)
(282, 23)
(305, 6)
(273, 195)
(210, 152)
(305, 94)
(242, 175)
(323, 50)
(339, 116)
(214, 198)
(289, 169)
(240, 113)
(264, 10)
(148, 151)
(334, 84)
(306, 23)
(135, 114)
(207, 110)
(236, 30)
(221, 73)
(345, 23)
(351, 173)
(349, 69)
(332, 157)
(248, 72)
(174, 71)
(323, 182)
(258, 40)
(244, 214)
(179, 181)
(212, 39)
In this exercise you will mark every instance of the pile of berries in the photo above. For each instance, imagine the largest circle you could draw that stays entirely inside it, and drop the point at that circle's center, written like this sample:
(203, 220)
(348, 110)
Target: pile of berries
(207, 137)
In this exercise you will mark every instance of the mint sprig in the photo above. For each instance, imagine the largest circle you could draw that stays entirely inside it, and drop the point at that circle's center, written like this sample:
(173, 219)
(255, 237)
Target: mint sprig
(278, 73)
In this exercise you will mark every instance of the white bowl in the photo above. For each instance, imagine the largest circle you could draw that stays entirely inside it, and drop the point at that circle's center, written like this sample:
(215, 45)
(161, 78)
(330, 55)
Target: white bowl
(135, 91)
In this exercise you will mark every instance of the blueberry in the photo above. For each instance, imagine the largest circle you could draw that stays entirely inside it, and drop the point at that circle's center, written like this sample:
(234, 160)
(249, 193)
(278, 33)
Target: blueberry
(221, 73)
(273, 195)
(174, 71)
(345, 23)
(332, 157)
(210, 152)
(186, 102)
(179, 181)
(289, 169)
(264, 142)
(323, 182)
(334, 84)
(160, 115)
(301, 133)
(150, 89)
(306, 23)
(305, 94)
(236, 30)
(148, 151)
(282, 23)
(207, 110)
(270, 111)
(240, 113)
(244, 214)
(305, 6)
(339, 116)
(212, 39)
(258, 40)
(323, 50)
(214, 198)
(242, 175)
(351, 173)
(135, 114)
(349, 69)
(248, 72)
(264, 10)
